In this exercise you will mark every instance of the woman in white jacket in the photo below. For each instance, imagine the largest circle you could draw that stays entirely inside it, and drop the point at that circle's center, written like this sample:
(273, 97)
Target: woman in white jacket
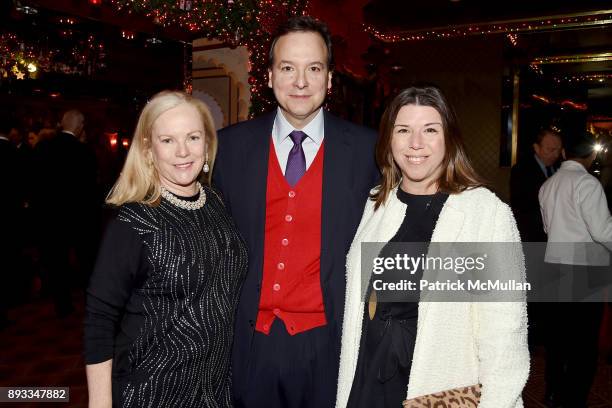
(430, 192)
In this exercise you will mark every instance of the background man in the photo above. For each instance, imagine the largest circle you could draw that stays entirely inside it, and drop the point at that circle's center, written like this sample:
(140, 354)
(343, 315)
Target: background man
(66, 200)
(577, 218)
(527, 177)
(296, 181)
(9, 211)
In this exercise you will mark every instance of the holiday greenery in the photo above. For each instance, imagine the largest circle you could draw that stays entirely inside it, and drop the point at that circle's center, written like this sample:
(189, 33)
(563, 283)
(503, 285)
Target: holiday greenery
(26, 59)
(236, 22)
(18, 60)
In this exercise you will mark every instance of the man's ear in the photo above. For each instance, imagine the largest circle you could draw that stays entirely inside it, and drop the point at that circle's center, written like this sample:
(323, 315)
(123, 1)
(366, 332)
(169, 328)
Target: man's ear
(563, 154)
(269, 77)
(329, 80)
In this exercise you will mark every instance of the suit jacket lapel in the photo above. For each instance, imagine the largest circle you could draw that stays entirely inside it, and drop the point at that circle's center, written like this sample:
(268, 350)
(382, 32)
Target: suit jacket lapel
(255, 153)
(335, 173)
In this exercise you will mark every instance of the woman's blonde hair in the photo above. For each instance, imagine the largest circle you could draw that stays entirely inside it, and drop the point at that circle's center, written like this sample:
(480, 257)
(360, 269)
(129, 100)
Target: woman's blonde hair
(458, 174)
(139, 181)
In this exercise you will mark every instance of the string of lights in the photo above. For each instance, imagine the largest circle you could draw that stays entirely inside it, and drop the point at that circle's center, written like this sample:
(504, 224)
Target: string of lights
(22, 60)
(583, 78)
(247, 23)
(17, 59)
(518, 26)
(573, 59)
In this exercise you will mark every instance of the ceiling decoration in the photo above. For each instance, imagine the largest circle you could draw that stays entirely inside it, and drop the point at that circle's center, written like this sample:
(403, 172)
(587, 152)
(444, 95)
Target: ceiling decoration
(590, 19)
(573, 59)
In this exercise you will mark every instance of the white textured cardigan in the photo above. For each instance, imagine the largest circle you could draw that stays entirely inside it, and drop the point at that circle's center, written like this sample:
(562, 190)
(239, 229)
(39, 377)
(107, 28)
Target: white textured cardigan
(457, 344)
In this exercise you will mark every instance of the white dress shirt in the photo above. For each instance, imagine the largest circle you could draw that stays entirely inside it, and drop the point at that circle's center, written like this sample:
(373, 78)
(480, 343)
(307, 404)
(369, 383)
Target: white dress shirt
(575, 210)
(283, 144)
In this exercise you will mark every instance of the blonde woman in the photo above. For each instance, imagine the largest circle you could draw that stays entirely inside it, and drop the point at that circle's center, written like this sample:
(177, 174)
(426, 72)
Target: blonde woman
(161, 300)
(429, 192)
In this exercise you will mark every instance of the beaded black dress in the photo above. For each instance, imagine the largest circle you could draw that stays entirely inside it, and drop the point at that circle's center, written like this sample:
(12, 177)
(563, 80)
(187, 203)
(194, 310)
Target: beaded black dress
(161, 304)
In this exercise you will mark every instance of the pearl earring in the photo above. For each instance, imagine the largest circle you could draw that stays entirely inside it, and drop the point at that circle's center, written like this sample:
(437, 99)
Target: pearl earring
(206, 167)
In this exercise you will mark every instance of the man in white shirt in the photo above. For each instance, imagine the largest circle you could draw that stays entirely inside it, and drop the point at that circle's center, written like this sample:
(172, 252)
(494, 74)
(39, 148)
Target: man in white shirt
(575, 213)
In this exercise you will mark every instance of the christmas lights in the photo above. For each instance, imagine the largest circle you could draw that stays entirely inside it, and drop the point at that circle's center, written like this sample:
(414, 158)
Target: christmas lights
(509, 27)
(573, 59)
(20, 60)
(583, 78)
(513, 38)
(25, 61)
(236, 22)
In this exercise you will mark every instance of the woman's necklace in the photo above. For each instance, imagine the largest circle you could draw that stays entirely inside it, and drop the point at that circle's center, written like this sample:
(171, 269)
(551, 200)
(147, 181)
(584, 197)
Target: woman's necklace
(427, 205)
(185, 204)
(429, 202)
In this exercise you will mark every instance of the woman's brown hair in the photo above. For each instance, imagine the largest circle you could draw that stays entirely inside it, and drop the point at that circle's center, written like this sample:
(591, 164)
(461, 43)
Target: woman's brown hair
(459, 173)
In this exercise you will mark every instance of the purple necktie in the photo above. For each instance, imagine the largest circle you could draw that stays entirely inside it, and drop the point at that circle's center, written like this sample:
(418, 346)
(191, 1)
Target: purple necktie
(296, 162)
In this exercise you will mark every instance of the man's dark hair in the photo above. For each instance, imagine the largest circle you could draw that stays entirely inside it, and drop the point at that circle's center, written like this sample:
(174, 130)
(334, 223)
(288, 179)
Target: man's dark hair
(304, 24)
(546, 131)
(580, 146)
(6, 124)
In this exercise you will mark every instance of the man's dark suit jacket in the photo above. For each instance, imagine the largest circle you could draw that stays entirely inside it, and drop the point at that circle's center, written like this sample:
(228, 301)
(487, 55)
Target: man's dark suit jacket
(10, 201)
(66, 194)
(526, 178)
(11, 187)
(10, 179)
(349, 172)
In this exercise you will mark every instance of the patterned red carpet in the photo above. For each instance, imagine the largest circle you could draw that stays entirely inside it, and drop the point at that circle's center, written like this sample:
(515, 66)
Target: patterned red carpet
(39, 349)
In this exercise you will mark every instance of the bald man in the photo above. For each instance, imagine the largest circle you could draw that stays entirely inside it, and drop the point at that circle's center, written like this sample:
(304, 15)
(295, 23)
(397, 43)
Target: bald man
(73, 123)
(67, 200)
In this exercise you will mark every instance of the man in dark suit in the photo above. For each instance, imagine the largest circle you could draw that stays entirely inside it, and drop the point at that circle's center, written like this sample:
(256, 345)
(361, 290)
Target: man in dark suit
(9, 211)
(526, 178)
(66, 201)
(296, 181)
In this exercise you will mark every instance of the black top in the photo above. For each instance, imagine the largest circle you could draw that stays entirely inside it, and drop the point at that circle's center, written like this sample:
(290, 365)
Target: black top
(161, 304)
(387, 341)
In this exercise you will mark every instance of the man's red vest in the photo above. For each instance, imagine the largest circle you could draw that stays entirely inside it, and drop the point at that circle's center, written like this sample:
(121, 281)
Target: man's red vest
(291, 285)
